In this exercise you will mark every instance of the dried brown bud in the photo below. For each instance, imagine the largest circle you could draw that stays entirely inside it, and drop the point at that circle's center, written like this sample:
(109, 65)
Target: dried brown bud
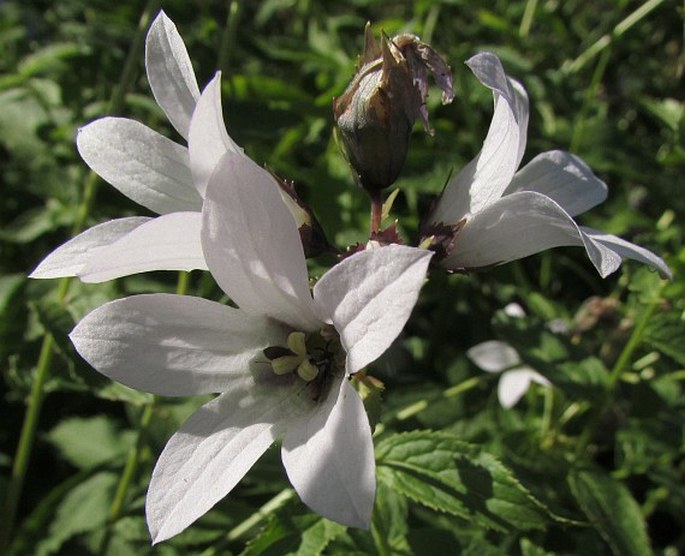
(376, 113)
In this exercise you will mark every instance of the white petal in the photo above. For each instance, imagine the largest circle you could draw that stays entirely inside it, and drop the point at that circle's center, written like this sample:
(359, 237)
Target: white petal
(70, 258)
(493, 356)
(169, 242)
(252, 245)
(208, 139)
(329, 458)
(519, 225)
(212, 451)
(173, 345)
(482, 181)
(170, 73)
(563, 177)
(142, 164)
(511, 388)
(627, 250)
(369, 296)
(515, 383)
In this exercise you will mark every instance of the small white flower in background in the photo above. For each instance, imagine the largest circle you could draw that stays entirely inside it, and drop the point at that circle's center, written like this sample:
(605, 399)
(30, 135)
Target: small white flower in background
(149, 169)
(498, 357)
(491, 214)
(280, 362)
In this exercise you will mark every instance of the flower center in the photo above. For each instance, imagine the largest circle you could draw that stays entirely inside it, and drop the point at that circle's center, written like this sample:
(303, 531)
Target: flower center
(308, 356)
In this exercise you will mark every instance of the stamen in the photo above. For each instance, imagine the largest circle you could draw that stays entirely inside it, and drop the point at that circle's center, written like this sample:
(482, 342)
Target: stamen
(286, 364)
(307, 371)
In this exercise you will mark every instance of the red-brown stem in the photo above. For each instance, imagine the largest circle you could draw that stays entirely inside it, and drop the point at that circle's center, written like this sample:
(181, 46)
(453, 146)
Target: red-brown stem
(376, 211)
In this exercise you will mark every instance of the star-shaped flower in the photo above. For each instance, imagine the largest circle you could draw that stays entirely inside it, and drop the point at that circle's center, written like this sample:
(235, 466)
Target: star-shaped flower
(490, 213)
(498, 357)
(280, 362)
(148, 168)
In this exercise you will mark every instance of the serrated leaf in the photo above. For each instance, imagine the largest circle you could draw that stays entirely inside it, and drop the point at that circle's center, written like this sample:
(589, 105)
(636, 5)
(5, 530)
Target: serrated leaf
(586, 379)
(90, 442)
(612, 511)
(389, 526)
(440, 471)
(306, 535)
(665, 331)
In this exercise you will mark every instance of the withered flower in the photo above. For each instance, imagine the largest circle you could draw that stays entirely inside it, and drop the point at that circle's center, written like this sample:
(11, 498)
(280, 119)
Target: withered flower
(376, 113)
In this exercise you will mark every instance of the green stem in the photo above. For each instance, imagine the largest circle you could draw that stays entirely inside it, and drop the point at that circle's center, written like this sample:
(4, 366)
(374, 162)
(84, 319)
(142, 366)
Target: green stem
(262, 513)
(527, 19)
(590, 95)
(229, 36)
(615, 375)
(418, 407)
(605, 40)
(26, 439)
(37, 394)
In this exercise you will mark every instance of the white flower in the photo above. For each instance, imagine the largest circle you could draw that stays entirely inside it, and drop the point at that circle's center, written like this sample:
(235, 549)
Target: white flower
(491, 214)
(148, 168)
(279, 362)
(497, 357)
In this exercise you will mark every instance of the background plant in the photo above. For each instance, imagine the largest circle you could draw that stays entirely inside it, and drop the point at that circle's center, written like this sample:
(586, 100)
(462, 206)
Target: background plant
(593, 466)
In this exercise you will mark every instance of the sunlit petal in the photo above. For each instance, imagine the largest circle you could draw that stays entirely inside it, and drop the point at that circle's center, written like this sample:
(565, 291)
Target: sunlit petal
(627, 250)
(170, 73)
(70, 258)
(169, 242)
(211, 452)
(519, 225)
(208, 139)
(483, 180)
(173, 345)
(328, 456)
(252, 245)
(142, 164)
(563, 177)
(369, 297)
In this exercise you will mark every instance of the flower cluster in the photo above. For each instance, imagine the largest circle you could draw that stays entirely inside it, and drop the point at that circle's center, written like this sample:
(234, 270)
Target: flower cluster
(280, 360)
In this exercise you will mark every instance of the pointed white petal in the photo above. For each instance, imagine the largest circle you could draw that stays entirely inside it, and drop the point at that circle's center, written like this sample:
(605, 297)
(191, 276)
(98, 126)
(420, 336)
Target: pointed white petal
(170, 73)
(212, 451)
(627, 250)
(369, 296)
(519, 225)
(515, 383)
(173, 345)
(512, 386)
(482, 181)
(168, 242)
(142, 164)
(329, 458)
(252, 245)
(70, 258)
(493, 356)
(563, 177)
(208, 139)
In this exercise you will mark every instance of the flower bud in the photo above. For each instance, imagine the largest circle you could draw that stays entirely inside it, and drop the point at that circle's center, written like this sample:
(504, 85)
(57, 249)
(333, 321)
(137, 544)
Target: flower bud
(377, 111)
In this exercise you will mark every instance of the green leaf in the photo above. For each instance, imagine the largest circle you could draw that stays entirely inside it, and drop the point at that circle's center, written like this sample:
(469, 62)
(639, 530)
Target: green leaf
(301, 535)
(612, 511)
(665, 332)
(83, 509)
(90, 442)
(389, 526)
(445, 474)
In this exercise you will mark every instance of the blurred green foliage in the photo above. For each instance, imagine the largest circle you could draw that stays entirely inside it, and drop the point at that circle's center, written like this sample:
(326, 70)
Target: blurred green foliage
(618, 105)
